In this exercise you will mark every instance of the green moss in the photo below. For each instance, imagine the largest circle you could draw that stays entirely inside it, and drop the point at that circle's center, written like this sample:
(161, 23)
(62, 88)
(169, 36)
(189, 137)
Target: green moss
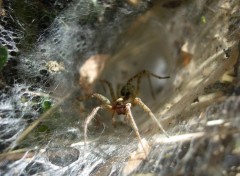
(3, 57)
(43, 128)
(46, 104)
(203, 19)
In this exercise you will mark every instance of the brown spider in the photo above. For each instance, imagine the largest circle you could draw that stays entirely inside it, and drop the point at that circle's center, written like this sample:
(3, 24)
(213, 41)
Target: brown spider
(122, 105)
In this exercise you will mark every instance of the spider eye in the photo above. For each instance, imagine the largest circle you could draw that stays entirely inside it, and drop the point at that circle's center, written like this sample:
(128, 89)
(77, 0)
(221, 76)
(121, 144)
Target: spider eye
(127, 91)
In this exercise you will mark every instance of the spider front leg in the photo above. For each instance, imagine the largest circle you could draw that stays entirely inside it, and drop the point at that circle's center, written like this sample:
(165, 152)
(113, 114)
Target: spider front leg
(139, 102)
(105, 104)
(113, 119)
(88, 120)
(130, 116)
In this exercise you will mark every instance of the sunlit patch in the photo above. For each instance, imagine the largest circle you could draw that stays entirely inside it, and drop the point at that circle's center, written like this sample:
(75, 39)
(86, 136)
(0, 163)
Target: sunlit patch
(177, 138)
(90, 71)
(215, 122)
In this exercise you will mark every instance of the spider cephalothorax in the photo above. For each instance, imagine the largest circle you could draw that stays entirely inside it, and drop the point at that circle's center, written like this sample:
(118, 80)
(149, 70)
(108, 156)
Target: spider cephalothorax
(122, 105)
(119, 106)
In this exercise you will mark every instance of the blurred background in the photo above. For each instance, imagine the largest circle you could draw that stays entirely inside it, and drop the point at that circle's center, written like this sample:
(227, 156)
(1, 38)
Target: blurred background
(55, 53)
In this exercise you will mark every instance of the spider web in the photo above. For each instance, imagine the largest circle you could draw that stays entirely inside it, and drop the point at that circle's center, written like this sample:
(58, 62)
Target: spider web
(198, 106)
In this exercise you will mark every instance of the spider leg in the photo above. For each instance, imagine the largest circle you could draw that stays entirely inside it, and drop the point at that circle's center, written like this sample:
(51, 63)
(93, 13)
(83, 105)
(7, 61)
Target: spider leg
(88, 120)
(142, 73)
(118, 89)
(113, 120)
(110, 87)
(101, 98)
(147, 73)
(151, 87)
(130, 116)
(105, 104)
(104, 100)
(139, 102)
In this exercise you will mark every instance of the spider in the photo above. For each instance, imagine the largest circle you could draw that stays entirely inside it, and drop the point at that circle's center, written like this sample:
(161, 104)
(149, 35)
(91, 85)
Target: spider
(122, 105)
